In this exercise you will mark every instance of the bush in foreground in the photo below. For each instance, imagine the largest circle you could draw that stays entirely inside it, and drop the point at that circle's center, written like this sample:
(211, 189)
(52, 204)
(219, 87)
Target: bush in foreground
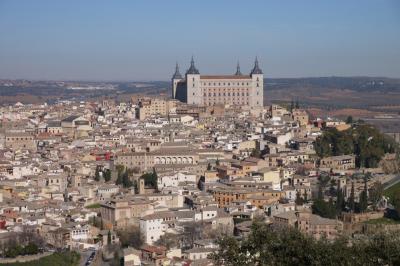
(265, 246)
(68, 258)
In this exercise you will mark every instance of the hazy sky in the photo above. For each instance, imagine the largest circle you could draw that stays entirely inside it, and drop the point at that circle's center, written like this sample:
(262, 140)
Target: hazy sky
(142, 40)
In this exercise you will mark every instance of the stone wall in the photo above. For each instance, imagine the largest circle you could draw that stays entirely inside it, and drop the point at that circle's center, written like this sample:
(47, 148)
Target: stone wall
(380, 228)
(25, 258)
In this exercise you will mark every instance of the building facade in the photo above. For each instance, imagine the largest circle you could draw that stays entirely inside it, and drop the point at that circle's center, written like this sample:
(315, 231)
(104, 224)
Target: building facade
(153, 106)
(210, 90)
(341, 162)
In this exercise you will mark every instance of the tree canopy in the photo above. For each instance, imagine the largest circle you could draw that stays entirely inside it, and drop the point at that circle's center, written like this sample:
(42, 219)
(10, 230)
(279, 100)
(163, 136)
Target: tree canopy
(267, 246)
(365, 141)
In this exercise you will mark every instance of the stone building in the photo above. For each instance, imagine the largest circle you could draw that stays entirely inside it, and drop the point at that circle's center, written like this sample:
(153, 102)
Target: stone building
(210, 90)
(20, 140)
(309, 223)
(342, 162)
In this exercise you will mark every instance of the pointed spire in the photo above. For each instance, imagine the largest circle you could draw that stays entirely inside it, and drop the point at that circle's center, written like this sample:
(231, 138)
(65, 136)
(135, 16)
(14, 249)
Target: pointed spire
(256, 69)
(192, 69)
(238, 73)
(177, 74)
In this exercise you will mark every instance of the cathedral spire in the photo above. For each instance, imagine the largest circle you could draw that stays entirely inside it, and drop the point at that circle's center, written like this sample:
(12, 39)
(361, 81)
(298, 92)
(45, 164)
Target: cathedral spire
(238, 73)
(256, 69)
(192, 69)
(177, 74)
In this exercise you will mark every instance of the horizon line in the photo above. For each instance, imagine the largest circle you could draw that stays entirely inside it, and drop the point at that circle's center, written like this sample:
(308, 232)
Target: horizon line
(163, 80)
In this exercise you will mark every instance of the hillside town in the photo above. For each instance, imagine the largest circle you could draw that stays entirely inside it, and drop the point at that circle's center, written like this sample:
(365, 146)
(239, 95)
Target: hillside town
(155, 181)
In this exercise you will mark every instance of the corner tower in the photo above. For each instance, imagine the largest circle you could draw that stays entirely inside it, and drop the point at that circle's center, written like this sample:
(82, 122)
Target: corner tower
(193, 84)
(176, 78)
(257, 93)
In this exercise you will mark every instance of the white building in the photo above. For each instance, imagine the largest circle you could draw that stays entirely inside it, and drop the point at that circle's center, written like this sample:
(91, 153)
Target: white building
(153, 226)
(174, 180)
(80, 233)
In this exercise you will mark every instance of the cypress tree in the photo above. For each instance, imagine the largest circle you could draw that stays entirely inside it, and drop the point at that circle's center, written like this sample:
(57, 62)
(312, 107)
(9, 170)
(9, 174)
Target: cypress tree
(97, 174)
(364, 197)
(299, 200)
(109, 238)
(351, 198)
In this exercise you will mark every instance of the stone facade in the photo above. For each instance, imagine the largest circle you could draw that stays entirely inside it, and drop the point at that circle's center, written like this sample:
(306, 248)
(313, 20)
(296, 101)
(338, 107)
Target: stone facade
(211, 90)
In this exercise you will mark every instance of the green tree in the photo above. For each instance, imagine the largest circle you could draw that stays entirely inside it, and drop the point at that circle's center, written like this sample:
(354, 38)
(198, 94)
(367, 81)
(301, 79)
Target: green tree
(109, 238)
(107, 175)
(150, 179)
(376, 193)
(131, 236)
(363, 202)
(299, 200)
(365, 141)
(351, 199)
(120, 172)
(30, 249)
(169, 240)
(349, 120)
(97, 174)
(273, 246)
(256, 153)
(305, 196)
(125, 179)
(320, 194)
(339, 200)
(324, 209)
(229, 252)
(155, 176)
(396, 203)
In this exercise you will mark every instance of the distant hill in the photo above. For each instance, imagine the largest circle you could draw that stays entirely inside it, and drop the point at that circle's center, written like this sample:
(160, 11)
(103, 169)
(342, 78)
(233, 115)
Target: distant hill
(361, 84)
(321, 92)
(335, 92)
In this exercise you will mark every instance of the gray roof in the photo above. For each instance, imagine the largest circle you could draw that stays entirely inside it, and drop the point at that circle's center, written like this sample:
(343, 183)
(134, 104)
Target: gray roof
(70, 118)
(177, 74)
(192, 69)
(256, 69)
(54, 124)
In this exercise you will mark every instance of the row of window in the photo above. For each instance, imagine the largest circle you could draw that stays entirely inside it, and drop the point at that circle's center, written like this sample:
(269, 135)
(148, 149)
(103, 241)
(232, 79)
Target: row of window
(225, 94)
(215, 103)
(224, 84)
(16, 138)
(77, 232)
(257, 85)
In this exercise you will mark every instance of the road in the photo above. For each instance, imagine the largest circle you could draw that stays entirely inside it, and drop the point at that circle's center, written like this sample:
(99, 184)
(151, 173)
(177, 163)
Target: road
(85, 256)
(392, 182)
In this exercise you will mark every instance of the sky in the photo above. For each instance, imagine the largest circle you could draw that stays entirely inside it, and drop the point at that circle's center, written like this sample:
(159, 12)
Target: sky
(143, 39)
